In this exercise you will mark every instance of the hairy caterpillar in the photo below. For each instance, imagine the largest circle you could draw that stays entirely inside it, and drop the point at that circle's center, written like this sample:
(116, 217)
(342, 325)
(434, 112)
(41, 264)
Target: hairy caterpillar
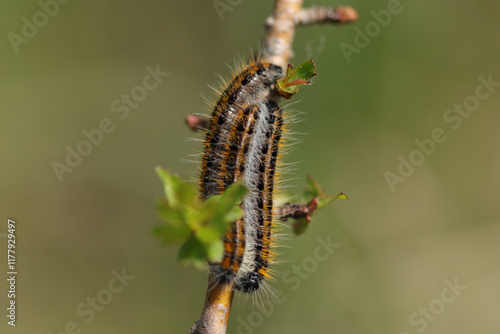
(242, 141)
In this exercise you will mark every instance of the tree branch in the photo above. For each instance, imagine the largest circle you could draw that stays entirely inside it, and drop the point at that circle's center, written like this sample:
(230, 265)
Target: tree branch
(215, 315)
(286, 16)
(322, 15)
(280, 30)
(298, 210)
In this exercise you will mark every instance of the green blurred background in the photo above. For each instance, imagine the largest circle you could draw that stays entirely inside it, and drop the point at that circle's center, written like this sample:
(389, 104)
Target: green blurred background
(396, 247)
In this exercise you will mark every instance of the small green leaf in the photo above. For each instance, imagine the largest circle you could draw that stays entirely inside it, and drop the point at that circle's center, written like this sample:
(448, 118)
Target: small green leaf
(314, 189)
(224, 209)
(177, 192)
(324, 200)
(198, 225)
(208, 234)
(300, 226)
(215, 251)
(170, 185)
(172, 234)
(165, 211)
(193, 251)
(316, 199)
(296, 77)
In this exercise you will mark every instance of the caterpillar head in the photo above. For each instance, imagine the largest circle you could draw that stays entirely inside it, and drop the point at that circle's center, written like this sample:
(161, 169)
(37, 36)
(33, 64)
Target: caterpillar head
(249, 283)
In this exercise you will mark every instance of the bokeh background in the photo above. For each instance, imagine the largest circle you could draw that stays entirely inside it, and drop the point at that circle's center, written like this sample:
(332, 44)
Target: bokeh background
(397, 248)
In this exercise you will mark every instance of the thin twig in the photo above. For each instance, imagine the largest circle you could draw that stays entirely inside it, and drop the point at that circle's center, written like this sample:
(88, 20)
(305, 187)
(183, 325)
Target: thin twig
(197, 123)
(280, 31)
(215, 315)
(298, 210)
(289, 14)
(319, 15)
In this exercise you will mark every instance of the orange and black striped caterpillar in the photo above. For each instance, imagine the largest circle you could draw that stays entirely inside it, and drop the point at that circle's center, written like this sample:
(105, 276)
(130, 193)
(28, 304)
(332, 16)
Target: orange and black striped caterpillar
(243, 142)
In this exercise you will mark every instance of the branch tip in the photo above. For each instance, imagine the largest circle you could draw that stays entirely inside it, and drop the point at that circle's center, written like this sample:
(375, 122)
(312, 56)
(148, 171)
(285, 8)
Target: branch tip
(347, 14)
(197, 123)
(322, 15)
